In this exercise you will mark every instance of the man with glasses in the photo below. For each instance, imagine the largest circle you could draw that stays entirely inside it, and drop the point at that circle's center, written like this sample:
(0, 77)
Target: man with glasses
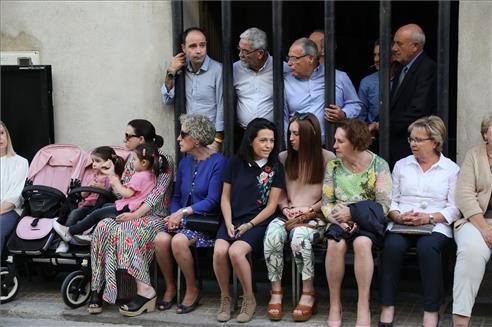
(304, 83)
(413, 91)
(253, 80)
(203, 80)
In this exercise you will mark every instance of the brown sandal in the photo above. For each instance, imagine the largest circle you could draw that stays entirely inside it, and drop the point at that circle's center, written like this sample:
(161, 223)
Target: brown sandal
(306, 310)
(275, 306)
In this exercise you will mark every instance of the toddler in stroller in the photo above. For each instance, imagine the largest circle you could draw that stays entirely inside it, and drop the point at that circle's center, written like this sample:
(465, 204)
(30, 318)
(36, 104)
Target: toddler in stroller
(89, 203)
(146, 163)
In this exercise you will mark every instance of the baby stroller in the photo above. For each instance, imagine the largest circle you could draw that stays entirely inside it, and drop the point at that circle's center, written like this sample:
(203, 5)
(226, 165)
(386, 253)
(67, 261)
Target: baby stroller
(75, 288)
(50, 174)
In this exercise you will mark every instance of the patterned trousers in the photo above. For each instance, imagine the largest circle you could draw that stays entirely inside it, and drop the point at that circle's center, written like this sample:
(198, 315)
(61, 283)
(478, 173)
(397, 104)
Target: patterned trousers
(301, 241)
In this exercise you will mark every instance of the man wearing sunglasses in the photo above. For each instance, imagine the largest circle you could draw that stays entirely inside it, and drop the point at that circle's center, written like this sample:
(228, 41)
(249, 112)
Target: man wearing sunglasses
(203, 80)
(253, 80)
(304, 84)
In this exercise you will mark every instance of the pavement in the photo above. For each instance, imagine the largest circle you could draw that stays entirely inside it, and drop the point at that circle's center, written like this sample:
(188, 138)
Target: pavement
(39, 303)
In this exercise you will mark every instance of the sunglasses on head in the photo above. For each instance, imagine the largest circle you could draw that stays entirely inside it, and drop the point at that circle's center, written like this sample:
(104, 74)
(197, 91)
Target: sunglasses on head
(299, 116)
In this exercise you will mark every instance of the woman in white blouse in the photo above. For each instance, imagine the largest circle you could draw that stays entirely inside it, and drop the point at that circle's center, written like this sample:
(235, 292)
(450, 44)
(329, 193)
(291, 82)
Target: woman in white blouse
(13, 177)
(423, 197)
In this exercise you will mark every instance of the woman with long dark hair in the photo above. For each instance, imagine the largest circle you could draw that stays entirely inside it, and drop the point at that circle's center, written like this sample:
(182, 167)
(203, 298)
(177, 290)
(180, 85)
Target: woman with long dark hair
(127, 241)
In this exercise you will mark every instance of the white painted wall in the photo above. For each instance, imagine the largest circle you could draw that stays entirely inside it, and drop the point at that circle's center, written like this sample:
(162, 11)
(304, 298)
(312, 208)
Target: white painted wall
(108, 60)
(474, 72)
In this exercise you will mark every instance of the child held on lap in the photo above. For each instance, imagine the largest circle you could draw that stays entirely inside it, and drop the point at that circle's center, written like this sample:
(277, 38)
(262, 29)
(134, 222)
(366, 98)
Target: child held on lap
(146, 163)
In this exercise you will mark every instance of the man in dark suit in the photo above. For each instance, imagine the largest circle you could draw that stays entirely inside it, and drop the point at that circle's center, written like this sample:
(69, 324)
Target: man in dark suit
(413, 92)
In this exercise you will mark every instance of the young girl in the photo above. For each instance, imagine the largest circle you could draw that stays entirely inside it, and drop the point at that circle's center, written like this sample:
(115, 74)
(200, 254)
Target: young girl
(253, 181)
(100, 156)
(146, 164)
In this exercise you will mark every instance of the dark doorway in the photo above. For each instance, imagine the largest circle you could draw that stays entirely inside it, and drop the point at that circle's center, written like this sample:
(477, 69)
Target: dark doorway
(356, 25)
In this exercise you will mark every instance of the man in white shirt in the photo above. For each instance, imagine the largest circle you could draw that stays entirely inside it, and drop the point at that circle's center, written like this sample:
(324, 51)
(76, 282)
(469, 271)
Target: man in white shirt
(253, 80)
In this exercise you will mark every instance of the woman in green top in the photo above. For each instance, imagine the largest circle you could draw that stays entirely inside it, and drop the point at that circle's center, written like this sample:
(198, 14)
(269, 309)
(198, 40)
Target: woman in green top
(355, 175)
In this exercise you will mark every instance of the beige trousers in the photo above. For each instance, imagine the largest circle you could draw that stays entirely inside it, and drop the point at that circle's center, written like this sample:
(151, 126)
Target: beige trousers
(471, 261)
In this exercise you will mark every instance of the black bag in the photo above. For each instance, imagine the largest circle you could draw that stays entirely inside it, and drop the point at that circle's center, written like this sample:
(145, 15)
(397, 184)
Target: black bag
(43, 205)
(208, 223)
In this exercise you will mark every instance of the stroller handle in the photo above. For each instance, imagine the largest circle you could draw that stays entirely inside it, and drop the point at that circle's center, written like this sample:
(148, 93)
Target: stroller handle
(109, 196)
(30, 189)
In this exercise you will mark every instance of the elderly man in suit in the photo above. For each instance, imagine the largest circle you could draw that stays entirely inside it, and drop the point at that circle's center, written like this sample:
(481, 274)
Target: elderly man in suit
(413, 93)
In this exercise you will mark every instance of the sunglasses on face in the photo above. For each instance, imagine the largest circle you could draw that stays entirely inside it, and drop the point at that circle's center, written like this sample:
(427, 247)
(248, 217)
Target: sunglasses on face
(129, 136)
(183, 134)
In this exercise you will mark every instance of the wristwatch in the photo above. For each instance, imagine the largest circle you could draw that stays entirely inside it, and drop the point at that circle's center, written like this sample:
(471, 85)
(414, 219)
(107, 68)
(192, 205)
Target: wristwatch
(185, 212)
(171, 75)
(431, 220)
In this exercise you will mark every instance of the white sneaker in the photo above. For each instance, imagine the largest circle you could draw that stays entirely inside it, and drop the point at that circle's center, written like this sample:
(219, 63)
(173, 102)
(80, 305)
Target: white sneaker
(62, 247)
(62, 231)
(83, 238)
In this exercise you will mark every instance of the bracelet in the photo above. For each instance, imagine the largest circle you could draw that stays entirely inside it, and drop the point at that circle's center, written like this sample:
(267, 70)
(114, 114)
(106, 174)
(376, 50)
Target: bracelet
(252, 225)
(218, 140)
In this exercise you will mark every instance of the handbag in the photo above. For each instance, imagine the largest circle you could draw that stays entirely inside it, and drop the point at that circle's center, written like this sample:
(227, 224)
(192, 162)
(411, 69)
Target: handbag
(300, 220)
(205, 223)
(425, 229)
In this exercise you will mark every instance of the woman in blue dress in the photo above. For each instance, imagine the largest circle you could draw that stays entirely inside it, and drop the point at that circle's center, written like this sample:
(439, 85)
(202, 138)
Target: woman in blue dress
(197, 192)
(253, 181)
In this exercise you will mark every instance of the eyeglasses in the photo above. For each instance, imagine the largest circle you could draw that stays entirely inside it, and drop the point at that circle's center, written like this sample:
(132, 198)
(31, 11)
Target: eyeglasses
(129, 136)
(246, 52)
(295, 58)
(418, 140)
(183, 134)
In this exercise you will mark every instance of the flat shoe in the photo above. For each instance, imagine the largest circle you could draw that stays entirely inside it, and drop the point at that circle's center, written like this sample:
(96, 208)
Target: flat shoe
(188, 308)
(138, 305)
(385, 324)
(165, 305)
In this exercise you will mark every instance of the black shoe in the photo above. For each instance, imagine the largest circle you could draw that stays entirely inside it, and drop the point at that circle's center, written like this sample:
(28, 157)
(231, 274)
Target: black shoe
(165, 305)
(138, 305)
(95, 302)
(385, 324)
(188, 308)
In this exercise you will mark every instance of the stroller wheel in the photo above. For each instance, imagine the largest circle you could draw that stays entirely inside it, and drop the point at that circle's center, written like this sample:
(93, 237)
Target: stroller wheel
(9, 286)
(76, 289)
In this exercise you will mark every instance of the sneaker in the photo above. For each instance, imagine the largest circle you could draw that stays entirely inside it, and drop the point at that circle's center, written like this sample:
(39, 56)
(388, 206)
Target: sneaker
(62, 247)
(62, 231)
(83, 238)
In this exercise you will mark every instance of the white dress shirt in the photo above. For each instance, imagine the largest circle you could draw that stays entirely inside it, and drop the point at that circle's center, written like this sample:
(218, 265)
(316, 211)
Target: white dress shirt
(427, 192)
(254, 91)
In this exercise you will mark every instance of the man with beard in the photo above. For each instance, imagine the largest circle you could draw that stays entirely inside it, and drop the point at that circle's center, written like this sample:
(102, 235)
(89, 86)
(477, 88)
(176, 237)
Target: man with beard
(253, 80)
(203, 80)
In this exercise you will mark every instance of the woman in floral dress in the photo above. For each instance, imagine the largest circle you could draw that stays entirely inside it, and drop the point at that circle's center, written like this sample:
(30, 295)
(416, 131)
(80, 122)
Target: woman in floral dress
(304, 164)
(355, 176)
(127, 241)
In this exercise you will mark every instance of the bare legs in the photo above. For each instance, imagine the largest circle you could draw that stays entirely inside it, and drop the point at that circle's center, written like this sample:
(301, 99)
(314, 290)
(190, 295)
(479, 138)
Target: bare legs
(335, 270)
(164, 258)
(181, 251)
(460, 321)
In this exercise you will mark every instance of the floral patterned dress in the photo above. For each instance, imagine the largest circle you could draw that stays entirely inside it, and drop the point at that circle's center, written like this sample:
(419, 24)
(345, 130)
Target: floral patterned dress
(129, 245)
(344, 186)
